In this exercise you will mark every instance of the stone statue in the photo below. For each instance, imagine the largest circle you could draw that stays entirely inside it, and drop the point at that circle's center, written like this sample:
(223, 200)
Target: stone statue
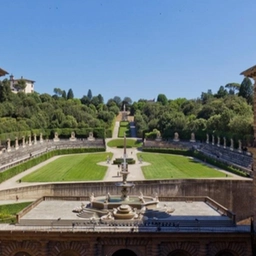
(56, 137)
(41, 137)
(90, 136)
(35, 141)
(207, 138)
(16, 143)
(224, 142)
(8, 145)
(192, 138)
(240, 146)
(23, 142)
(176, 137)
(72, 136)
(218, 141)
(92, 197)
(231, 144)
(29, 140)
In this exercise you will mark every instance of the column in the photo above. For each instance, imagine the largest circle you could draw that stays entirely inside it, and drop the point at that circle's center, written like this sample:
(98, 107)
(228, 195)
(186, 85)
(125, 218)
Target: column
(35, 141)
(29, 140)
(16, 143)
(8, 145)
(23, 142)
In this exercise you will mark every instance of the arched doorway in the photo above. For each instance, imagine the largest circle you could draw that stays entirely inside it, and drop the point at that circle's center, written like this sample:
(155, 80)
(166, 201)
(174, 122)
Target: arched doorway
(22, 254)
(179, 253)
(68, 253)
(225, 253)
(124, 252)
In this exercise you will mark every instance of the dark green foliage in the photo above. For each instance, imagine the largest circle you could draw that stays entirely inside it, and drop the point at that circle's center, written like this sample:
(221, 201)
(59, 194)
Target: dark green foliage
(121, 160)
(70, 94)
(89, 94)
(161, 98)
(8, 212)
(246, 90)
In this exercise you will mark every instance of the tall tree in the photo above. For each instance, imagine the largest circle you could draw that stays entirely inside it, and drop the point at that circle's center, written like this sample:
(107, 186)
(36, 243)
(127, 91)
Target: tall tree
(233, 87)
(64, 94)
(161, 98)
(222, 92)
(89, 94)
(206, 96)
(246, 90)
(117, 100)
(100, 97)
(127, 100)
(70, 94)
(58, 92)
(5, 90)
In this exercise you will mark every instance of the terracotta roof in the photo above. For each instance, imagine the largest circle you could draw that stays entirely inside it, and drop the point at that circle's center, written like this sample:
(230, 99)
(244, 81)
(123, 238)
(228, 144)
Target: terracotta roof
(250, 72)
(3, 72)
(27, 80)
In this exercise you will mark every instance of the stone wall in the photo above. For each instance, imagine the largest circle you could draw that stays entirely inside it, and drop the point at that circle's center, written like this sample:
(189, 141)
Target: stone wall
(236, 195)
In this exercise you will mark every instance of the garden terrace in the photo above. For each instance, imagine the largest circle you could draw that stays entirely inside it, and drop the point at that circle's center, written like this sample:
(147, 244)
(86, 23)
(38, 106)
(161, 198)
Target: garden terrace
(16, 156)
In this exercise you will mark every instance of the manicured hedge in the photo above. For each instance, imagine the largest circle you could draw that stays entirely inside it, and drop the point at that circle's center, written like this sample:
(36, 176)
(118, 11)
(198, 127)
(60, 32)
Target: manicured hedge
(121, 160)
(122, 146)
(173, 151)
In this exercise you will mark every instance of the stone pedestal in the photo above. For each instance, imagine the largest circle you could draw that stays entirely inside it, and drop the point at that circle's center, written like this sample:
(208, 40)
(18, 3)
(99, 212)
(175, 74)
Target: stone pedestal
(72, 137)
(224, 143)
(16, 143)
(8, 145)
(90, 138)
(218, 141)
(231, 144)
(29, 140)
(56, 137)
(176, 137)
(240, 146)
(23, 142)
(41, 138)
(192, 138)
(35, 141)
(207, 138)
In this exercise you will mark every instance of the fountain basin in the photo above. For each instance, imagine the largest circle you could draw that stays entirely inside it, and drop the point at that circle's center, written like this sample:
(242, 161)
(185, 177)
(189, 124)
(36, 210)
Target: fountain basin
(115, 201)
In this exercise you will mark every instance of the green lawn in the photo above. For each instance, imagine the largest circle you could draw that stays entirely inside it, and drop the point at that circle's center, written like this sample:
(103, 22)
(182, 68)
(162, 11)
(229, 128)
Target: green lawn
(8, 212)
(165, 166)
(120, 142)
(71, 168)
(124, 128)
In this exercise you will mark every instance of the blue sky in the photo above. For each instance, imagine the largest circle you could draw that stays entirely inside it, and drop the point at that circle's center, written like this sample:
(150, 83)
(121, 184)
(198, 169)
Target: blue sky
(128, 48)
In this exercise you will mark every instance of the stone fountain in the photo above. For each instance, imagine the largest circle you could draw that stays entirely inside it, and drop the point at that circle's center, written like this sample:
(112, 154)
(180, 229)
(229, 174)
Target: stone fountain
(119, 207)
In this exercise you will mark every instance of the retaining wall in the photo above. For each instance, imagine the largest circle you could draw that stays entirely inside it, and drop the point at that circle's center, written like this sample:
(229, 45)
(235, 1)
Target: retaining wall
(236, 195)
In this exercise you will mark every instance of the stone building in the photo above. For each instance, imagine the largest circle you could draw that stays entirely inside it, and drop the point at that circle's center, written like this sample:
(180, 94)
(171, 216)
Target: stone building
(29, 84)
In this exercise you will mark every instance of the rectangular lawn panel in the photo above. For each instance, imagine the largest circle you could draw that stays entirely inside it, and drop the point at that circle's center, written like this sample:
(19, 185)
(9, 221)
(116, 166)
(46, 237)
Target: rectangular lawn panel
(71, 168)
(167, 166)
